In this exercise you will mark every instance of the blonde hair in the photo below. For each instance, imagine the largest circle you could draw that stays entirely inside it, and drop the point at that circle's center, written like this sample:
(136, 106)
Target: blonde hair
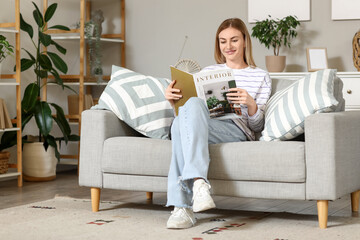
(239, 25)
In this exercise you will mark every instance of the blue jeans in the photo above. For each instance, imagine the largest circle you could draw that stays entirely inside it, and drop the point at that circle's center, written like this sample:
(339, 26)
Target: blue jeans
(192, 131)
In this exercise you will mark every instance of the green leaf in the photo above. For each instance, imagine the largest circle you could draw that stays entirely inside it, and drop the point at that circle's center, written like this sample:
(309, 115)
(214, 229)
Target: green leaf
(45, 39)
(58, 80)
(74, 138)
(43, 117)
(26, 27)
(38, 16)
(58, 62)
(30, 55)
(8, 140)
(50, 140)
(41, 73)
(31, 94)
(50, 11)
(45, 62)
(25, 118)
(58, 47)
(61, 121)
(26, 64)
(60, 27)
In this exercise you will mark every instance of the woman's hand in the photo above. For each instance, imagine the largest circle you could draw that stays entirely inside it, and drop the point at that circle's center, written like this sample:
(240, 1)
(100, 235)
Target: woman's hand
(170, 93)
(241, 96)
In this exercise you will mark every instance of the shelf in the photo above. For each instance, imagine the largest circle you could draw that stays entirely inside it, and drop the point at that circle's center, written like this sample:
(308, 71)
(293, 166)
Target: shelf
(9, 129)
(78, 84)
(10, 173)
(7, 76)
(9, 84)
(73, 162)
(115, 40)
(5, 30)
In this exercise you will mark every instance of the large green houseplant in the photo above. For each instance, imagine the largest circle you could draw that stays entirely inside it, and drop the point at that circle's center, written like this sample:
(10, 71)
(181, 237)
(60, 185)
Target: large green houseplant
(44, 63)
(276, 33)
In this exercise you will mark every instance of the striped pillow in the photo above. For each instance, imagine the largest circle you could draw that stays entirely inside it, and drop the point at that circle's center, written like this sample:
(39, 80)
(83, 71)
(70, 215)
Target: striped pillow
(287, 109)
(139, 101)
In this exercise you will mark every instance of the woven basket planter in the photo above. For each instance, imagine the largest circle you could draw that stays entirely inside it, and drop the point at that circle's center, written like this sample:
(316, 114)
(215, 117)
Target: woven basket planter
(4, 160)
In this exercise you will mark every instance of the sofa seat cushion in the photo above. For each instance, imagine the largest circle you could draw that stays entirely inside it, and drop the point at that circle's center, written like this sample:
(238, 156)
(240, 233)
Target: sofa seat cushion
(242, 161)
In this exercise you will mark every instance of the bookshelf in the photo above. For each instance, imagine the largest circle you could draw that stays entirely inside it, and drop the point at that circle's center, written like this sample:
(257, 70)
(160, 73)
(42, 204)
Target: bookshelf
(13, 83)
(83, 81)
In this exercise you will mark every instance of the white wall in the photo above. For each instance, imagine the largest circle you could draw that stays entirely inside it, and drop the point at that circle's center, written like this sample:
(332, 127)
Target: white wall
(156, 30)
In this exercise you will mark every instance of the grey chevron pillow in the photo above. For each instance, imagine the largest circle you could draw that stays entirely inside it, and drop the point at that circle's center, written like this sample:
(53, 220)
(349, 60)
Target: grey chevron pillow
(139, 101)
(287, 109)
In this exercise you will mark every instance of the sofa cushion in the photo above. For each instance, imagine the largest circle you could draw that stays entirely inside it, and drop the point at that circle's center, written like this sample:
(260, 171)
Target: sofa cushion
(247, 161)
(287, 109)
(139, 101)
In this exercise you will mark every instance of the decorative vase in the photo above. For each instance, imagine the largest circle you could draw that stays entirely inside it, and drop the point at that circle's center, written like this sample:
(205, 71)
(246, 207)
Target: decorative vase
(4, 160)
(356, 50)
(275, 63)
(38, 165)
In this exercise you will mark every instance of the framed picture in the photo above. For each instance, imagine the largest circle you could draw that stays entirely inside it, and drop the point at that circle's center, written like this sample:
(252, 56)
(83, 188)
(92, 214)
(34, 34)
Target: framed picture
(259, 10)
(316, 59)
(345, 10)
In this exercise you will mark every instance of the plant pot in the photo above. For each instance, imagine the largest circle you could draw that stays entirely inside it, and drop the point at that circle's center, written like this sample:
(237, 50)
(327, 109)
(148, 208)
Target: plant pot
(275, 63)
(38, 165)
(4, 160)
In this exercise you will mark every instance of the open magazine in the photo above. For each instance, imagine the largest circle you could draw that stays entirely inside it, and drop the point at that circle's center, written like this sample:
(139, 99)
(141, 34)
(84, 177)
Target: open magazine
(212, 87)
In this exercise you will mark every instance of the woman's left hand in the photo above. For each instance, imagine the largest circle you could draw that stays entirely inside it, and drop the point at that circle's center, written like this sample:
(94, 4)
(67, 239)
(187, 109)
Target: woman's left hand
(241, 96)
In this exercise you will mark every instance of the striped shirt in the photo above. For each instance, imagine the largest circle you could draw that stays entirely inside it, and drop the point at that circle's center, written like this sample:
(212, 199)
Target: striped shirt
(257, 83)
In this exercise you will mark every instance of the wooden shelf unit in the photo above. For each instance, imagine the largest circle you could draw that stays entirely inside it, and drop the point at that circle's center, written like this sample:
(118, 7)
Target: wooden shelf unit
(15, 170)
(83, 79)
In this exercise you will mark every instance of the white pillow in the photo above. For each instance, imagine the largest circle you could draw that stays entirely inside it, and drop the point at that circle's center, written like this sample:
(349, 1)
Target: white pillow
(287, 109)
(139, 101)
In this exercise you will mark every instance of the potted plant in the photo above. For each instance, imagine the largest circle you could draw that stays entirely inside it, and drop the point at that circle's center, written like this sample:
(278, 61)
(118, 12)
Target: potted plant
(45, 151)
(276, 33)
(5, 49)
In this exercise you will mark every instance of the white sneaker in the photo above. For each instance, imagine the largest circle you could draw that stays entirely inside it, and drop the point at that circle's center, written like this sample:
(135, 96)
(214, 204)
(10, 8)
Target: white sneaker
(201, 196)
(181, 218)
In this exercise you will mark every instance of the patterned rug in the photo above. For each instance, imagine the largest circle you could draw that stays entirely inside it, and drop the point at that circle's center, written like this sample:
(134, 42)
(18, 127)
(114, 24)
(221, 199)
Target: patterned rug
(68, 218)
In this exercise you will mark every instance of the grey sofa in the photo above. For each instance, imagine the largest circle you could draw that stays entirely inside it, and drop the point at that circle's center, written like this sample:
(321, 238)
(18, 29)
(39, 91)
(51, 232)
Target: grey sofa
(323, 167)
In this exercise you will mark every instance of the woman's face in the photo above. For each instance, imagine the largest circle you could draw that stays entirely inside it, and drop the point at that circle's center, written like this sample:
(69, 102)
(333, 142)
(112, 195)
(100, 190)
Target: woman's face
(232, 45)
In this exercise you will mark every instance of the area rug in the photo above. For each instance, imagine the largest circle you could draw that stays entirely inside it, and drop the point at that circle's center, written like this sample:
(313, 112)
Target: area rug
(69, 218)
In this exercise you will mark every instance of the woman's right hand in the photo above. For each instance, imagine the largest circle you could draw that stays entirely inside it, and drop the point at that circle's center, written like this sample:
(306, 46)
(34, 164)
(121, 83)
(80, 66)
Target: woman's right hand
(171, 93)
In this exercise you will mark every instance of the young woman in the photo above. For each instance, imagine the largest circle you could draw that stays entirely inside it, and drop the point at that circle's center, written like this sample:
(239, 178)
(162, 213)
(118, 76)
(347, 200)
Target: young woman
(192, 130)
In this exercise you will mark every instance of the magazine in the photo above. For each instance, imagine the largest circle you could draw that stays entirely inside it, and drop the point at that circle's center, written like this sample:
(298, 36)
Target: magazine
(212, 87)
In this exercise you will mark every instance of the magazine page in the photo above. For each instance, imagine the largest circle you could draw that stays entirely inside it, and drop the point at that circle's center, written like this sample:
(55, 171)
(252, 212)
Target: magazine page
(212, 87)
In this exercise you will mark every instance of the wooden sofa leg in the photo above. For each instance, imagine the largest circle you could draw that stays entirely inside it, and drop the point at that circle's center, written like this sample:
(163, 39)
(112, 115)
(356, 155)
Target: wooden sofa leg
(355, 196)
(323, 207)
(95, 199)
(149, 195)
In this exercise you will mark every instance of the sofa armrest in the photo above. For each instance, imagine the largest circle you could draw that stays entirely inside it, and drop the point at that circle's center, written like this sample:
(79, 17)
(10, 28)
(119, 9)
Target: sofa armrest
(96, 127)
(332, 145)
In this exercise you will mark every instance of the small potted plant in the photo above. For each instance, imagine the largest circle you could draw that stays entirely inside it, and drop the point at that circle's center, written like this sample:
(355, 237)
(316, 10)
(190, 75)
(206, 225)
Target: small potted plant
(276, 33)
(6, 49)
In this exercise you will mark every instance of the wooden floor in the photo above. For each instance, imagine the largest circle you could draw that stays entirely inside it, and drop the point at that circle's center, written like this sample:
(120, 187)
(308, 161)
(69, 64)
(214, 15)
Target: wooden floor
(66, 184)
